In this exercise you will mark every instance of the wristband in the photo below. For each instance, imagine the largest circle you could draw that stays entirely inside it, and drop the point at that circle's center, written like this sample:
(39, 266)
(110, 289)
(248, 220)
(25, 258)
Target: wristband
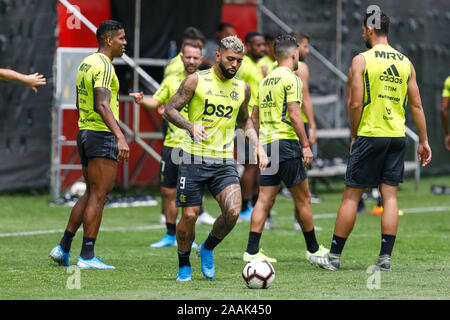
(304, 147)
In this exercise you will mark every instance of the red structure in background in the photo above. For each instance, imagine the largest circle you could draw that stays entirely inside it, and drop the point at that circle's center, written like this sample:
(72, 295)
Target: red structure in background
(142, 168)
(243, 17)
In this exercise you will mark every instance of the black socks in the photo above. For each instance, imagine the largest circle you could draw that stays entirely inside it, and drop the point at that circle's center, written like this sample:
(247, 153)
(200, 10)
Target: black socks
(87, 248)
(253, 242)
(171, 228)
(211, 242)
(387, 244)
(311, 242)
(337, 244)
(183, 258)
(66, 241)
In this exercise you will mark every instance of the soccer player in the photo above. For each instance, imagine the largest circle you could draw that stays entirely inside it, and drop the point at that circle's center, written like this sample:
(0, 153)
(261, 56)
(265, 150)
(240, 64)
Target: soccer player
(303, 73)
(307, 109)
(383, 81)
(176, 64)
(278, 118)
(268, 63)
(191, 57)
(445, 105)
(252, 74)
(101, 143)
(224, 29)
(217, 101)
(31, 80)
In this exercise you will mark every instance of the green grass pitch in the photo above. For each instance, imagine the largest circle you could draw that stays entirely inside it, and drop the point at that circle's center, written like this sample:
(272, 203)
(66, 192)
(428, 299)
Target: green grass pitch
(420, 261)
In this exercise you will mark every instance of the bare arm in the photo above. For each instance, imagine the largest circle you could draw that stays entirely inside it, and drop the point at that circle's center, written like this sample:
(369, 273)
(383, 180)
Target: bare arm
(415, 103)
(31, 80)
(102, 99)
(147, 102)
(349, 90)
(299, 128)
(445, 104)
(357, 95)
(243, 121)
(255, 118)
(303, 74)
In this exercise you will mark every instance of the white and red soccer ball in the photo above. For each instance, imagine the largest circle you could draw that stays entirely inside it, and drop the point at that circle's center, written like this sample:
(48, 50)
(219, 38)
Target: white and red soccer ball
(258, 274)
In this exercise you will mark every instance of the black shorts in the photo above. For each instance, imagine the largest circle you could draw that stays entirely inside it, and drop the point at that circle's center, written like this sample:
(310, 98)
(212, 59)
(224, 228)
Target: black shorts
(291, 172)
(193, 177)
(376, 160)
(96, 144)
(168, 173)
(244, 151)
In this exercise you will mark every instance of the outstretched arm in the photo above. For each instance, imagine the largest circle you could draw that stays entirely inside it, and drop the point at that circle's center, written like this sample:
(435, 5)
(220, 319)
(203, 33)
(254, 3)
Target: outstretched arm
(31, 80)
(147, 102)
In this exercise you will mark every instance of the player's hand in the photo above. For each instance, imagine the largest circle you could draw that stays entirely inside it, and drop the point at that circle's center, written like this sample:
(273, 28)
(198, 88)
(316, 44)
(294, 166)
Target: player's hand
(424, 153)
(124, 150)
(261, 156)
(312, 135)
(447, 142)
(161, 109)
(138, 97)
(199, 132)
(33, 80)
(351, 143)
(307, 157)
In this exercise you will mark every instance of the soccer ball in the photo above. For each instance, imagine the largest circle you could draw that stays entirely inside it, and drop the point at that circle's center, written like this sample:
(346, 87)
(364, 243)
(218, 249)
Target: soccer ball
(258, 274)
(78, 189)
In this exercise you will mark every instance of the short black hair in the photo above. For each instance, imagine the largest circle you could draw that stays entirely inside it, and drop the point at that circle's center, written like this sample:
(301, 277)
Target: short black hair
(270, 37)
(283, 44)
(383, 30)
(194, 34)
(223, 25)
(249, 36)
(105, 28)
(302, 35)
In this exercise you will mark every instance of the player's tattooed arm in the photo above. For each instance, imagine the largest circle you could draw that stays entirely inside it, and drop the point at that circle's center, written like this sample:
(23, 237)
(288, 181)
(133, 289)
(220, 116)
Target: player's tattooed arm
(178, 101)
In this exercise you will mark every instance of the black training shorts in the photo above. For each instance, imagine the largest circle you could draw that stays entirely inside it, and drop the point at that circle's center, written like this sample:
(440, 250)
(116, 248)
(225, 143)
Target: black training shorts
(96, 144)
(291, 172)
(194, 177)
(376, 160)
(168, 173)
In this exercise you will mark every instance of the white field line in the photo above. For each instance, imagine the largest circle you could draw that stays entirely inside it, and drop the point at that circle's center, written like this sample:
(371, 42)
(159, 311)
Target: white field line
(150, 227)
(32, 233)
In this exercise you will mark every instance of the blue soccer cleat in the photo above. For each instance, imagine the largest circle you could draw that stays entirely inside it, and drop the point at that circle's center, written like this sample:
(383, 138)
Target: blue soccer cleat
(59, 256)
(94, 263)
(184, 274)
(169, 241)
(246, 215)
(207, 261)
(166, 241)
